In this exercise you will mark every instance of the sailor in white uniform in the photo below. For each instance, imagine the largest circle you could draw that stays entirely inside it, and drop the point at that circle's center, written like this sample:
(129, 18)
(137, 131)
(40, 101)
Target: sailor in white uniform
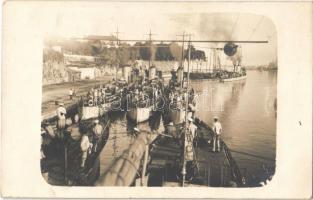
(217, 128)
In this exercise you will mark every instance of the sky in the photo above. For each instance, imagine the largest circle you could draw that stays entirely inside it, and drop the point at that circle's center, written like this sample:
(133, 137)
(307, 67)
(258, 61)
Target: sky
(167, 24)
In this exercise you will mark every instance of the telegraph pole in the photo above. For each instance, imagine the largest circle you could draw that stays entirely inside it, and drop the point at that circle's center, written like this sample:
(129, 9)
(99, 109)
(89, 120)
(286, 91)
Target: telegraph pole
(117, 53)
(182, 56)
(150, 41)
(182, 50)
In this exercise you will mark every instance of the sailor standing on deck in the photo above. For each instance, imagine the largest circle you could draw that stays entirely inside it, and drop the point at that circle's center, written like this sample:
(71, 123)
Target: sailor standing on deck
(84, 145)
(103, 95)
(192, 106)
(179, 103)
(71, 93)
(74, 130)
(189, 148)
(95, 97)
(97, 131)
(217, 128)
(61, 112)
(192, 128)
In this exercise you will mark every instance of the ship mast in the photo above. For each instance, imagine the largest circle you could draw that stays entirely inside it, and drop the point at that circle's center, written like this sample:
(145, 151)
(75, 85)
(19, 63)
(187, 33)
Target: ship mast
(150, 45)
(182, 58)
(150, 40)
(186, 115)
(219, 60)
(182, 52)
(117, 54)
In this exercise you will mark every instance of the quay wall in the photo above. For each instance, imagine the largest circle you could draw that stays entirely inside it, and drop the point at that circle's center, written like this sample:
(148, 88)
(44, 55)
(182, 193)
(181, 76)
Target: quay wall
(57, 72)
(167, 66)
(54, 72)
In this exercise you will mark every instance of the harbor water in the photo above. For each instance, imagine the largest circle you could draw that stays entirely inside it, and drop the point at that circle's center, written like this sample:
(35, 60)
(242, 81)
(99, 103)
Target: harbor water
(247, 112)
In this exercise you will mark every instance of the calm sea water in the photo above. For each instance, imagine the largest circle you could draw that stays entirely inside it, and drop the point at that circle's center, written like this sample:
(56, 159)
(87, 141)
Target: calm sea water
(245, 109)
(248, 116)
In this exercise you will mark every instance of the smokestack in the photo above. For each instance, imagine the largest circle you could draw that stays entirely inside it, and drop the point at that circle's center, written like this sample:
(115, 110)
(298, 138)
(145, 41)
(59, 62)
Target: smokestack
(236, 59)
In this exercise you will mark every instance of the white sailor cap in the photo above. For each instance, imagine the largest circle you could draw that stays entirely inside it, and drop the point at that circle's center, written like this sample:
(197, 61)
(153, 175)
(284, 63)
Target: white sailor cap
(190, 119)
(61, 104)
(96, 121)
(215, 117)
(136, 129)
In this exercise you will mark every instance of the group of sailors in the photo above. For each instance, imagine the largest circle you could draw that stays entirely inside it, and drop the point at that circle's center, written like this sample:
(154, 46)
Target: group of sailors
(100, 95)
(96, 96)
(144, 92)
(216, 135)
(177, 100)
(188, 141)
(72, 130)
(138, 96)
(89, 143)
(238, 71)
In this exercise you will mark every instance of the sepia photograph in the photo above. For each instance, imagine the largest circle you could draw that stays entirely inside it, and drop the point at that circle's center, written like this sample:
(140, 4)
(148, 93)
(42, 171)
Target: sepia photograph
(169, 100)
(162, 99)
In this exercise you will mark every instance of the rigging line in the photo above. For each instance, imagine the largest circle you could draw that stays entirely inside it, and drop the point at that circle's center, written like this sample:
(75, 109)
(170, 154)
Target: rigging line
(235, 24)
(252, 155)
(171, 40)
(136, 46)
(198, 41)
(207, 47)
(258, 24)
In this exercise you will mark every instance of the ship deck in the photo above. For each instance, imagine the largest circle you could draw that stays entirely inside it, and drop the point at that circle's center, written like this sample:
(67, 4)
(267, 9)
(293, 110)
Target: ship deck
(212, 170)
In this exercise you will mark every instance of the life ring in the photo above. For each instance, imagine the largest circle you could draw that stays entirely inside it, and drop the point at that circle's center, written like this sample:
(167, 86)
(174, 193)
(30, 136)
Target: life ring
(90, 102)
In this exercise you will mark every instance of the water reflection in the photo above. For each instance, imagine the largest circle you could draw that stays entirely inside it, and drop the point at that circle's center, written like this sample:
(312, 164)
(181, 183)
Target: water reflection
(247, 112)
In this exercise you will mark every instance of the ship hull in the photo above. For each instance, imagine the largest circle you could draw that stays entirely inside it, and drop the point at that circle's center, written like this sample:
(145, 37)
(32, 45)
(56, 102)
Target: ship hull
(177, 116)
(139, 114)
(90, 112)
(203, 75)
(233, 79)
(194, 75)
(62, 162)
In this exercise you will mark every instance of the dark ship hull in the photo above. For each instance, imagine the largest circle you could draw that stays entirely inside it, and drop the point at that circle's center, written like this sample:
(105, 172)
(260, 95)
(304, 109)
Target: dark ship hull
(62, 161)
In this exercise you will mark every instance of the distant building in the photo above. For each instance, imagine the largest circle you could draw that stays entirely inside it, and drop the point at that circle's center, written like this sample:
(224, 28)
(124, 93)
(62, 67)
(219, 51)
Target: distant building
(105, 41)
(57, 48)
(73, 75)
(82, 40)
(86, 72)
(101, 37)
(72, 59)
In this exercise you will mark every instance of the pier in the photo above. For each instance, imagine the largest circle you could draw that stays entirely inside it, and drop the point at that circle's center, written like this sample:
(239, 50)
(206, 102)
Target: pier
(52, 94)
